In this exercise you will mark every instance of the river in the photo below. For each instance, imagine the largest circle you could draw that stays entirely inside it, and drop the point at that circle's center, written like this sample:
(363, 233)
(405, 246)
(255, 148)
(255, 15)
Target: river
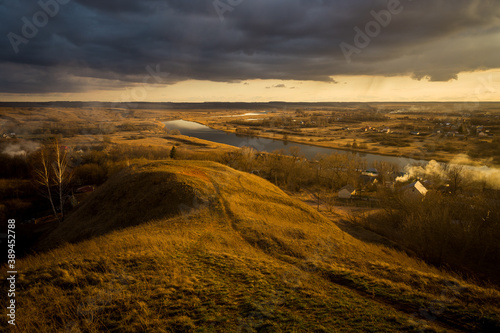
(199, 131)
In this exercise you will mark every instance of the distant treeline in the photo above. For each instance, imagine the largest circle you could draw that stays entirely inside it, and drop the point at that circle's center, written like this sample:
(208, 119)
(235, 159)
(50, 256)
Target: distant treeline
(273, 105)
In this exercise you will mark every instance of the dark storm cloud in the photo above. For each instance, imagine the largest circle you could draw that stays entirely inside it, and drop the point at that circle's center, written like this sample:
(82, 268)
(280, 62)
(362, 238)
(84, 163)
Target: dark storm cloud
(118, 6)
(109, 43)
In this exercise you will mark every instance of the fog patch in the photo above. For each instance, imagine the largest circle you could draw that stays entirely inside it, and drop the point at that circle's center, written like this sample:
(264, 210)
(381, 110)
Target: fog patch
(20, 149)
(489, 176)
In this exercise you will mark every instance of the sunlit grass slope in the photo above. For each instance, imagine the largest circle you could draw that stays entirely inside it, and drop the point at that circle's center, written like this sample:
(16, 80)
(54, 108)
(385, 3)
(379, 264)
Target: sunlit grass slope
(183, 246)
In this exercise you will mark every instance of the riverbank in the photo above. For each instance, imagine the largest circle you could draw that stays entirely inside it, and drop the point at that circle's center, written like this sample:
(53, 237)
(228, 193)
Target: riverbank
(422, 132)
(412, 153)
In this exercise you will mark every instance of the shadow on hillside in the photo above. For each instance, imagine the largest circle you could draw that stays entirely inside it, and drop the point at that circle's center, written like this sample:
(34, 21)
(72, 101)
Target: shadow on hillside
(129, 198)
(365, 235)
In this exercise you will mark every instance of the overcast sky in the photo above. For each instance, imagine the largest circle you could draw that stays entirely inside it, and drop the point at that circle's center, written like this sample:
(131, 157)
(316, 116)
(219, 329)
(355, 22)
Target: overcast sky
(250, 50)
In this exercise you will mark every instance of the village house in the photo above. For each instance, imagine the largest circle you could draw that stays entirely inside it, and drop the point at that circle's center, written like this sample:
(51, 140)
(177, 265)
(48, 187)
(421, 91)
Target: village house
(414, 190)
(368, 180)
(347, 192)
(9, 135)
(85, 189)
(370, 172)
(482, 134)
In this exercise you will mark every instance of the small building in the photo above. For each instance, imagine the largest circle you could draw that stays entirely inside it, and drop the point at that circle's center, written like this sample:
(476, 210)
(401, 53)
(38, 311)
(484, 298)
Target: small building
(414, 190)
(368, 179)
(347, 192)
(370, 172)
(85, 189)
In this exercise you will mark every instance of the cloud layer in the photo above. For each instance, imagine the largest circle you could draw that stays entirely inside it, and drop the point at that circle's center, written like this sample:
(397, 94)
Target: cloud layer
(108, 44)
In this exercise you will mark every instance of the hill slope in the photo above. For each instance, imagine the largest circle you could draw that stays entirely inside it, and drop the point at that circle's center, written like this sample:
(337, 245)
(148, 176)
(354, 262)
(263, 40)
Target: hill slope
(205, 248)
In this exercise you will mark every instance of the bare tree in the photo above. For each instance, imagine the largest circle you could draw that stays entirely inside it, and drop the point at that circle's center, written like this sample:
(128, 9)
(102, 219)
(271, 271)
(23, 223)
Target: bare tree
(247, 158)
(340, 169)
(456, 177)
(273, 165)
(51, 170)
(62, 173)
(42, 176)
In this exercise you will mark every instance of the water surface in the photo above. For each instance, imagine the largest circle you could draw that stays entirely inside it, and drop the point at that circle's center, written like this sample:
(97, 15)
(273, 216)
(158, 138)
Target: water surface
(200, 131)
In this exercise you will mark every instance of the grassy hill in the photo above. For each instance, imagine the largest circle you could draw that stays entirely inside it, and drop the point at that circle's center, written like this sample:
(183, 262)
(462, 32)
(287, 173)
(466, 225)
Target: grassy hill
(184, 246)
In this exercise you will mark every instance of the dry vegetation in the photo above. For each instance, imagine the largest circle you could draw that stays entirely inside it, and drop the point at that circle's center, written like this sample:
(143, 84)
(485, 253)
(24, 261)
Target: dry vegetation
(460, 232)
(444, 129)
(422, 131)
(177, 242)
(219, 265)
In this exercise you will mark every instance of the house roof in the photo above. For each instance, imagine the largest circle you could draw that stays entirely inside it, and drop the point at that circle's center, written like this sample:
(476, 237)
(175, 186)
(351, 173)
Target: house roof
(349, 188)
(417, 186)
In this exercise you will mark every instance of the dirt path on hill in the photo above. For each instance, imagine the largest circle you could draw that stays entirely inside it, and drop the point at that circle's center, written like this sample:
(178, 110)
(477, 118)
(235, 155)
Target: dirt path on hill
(341, 217)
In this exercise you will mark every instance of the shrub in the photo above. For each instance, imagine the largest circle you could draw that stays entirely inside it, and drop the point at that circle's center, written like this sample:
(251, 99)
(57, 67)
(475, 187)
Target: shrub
(13, 167)
(90, 174)
(457, 231)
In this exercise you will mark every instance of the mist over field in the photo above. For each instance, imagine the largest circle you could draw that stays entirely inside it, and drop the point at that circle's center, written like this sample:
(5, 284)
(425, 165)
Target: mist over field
(22, 149)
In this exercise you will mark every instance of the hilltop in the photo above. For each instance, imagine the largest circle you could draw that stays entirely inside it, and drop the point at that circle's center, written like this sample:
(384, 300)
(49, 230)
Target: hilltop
(197, 246)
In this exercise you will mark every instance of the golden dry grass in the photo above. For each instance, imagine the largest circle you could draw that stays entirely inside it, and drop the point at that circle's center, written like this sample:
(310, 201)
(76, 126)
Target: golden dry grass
(218, 250)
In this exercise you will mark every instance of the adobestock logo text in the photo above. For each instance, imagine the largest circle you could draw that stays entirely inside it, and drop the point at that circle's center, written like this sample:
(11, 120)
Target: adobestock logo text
(29, 30)
(372, 30)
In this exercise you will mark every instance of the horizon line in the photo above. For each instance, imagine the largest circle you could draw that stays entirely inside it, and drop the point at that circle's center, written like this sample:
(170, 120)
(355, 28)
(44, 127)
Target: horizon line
(247, 102)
